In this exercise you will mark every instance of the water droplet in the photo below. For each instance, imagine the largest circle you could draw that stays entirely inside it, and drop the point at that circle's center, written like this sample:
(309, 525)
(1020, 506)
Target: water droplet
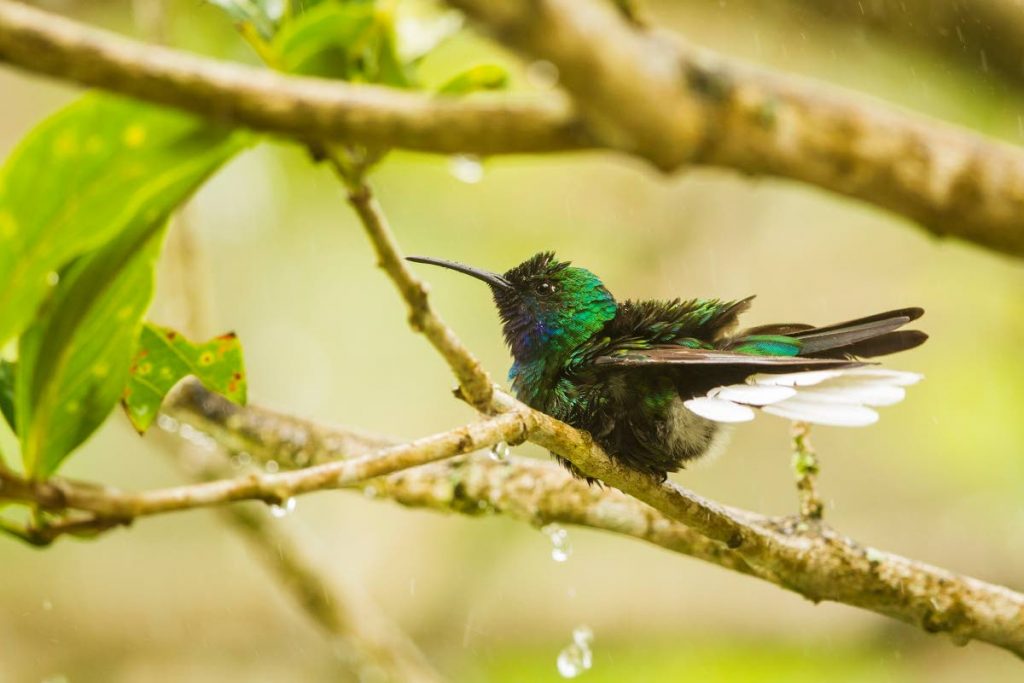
(271, 467)
(193, 436)
(47, 605)
(467, 168)
(52, 278)
(500, 451)
(370, 491)
(167, 423)
(542, 74)
(576, 657)
(561, 548)
(241, 460)
(284, 509)
(274, 9)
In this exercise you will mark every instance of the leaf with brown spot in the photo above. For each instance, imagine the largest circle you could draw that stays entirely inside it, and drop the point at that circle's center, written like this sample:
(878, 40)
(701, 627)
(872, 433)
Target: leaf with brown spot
(165, 357)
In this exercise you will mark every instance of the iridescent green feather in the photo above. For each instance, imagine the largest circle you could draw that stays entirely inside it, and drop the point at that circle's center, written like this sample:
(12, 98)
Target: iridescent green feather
(768, 345)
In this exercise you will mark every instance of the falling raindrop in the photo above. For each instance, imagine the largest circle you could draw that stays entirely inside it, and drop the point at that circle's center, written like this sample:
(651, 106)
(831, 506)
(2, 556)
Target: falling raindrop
(271, 467)
(542, 74)
(500, 451)
(47, 605)
(370, 491)
(467, 168)
(284, 509)
(241, 460)
(561, 548)
(275, 9)
(576, 657)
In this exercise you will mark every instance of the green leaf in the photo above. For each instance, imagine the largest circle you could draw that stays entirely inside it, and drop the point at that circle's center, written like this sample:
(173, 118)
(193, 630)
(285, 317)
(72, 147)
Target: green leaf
(74, 358)
(80, 178)
(73, 362)
(476, 78)
(391, 70)
(321, 41)
(7, 370)
(164, 357)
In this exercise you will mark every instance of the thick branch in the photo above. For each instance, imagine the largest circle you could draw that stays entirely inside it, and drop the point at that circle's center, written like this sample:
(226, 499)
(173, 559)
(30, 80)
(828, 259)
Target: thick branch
(818, 562)
(654, 95)
(302, 108)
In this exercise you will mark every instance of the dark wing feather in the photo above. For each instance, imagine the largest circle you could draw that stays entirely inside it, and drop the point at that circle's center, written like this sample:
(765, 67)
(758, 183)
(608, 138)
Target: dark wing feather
(853, 337)
(679, 355)
(885, 344)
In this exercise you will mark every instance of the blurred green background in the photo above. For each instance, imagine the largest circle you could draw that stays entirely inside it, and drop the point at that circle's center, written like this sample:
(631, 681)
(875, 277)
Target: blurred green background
(939, 478)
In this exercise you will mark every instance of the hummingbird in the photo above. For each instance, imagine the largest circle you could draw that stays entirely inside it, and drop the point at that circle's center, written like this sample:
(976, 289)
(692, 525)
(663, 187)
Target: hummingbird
(655, 382)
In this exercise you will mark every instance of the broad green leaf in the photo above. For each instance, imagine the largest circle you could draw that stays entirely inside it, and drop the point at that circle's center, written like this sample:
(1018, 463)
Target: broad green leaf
(164, 357)
(7, 370)
(321, 41)
(73, 362)
(476, 78)
(83, 176)
(73, 359)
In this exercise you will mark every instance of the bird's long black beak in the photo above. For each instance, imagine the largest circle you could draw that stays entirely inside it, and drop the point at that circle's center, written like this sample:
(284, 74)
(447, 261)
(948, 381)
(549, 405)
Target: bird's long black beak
(493, 279)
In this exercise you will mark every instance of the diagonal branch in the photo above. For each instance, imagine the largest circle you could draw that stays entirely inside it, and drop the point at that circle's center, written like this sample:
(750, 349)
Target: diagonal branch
(816, 562)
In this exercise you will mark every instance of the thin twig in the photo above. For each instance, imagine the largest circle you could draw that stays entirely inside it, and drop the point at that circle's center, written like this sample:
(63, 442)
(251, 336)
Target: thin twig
(805, 470)
(474, 382)
(112, 504)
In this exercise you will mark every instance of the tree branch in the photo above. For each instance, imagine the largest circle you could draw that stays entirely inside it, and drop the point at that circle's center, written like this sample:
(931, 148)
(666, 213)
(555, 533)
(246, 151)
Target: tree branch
(302, 108)
(654, 95)
(474, 382)
(112, 504)
(818, 563)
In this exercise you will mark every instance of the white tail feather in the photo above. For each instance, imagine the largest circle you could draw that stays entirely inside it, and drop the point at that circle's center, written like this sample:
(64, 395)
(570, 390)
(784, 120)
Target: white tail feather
(834, 414)
(828, 397)
(719, 410)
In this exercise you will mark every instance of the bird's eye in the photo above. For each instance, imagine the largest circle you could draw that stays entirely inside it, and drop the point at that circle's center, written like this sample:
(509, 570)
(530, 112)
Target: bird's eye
(544, 288)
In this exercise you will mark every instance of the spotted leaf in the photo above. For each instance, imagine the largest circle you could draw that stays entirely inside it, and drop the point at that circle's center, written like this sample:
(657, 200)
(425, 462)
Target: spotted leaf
(164, 357)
